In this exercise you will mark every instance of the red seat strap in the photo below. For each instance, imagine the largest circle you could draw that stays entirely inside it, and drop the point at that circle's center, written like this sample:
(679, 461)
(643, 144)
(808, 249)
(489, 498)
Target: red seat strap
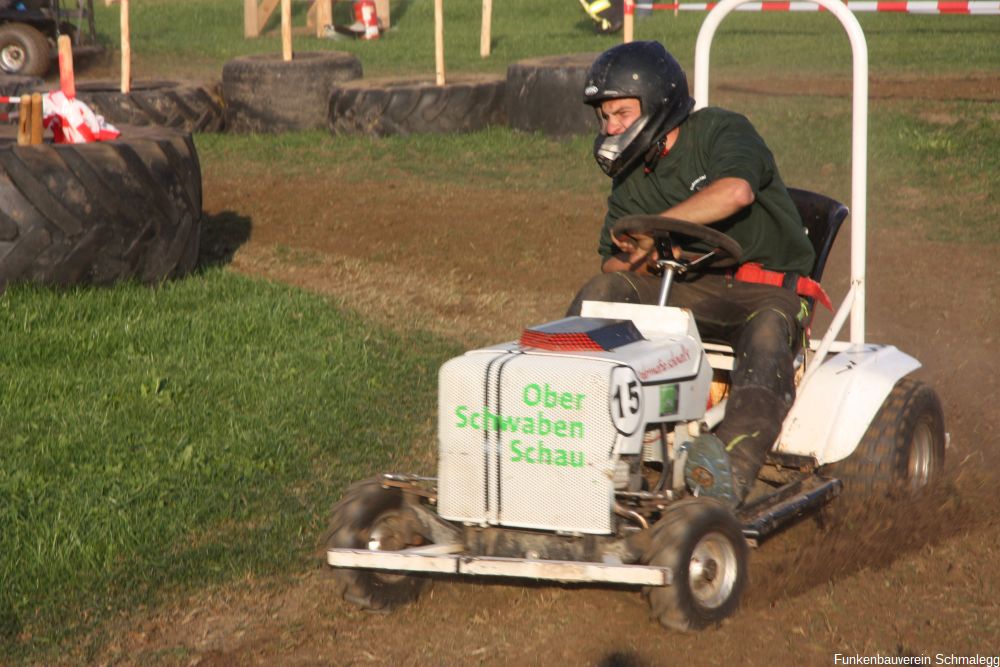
(753, 272)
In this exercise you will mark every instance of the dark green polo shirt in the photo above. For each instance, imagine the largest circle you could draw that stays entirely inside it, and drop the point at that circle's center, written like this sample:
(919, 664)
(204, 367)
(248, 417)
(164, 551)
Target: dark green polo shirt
(714, 143)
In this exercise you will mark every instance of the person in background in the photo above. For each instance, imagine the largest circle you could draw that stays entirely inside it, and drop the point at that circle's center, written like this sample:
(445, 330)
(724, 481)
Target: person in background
(607, 15)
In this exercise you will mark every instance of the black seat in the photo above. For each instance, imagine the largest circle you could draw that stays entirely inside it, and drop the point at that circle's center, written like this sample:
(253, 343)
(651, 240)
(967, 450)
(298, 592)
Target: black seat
(822, 217)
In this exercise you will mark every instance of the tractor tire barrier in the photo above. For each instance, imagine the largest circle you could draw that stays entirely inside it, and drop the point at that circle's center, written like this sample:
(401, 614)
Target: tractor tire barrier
(102, 212)
(264, 93)
(384, 107)
(188, 107)
(546, 95)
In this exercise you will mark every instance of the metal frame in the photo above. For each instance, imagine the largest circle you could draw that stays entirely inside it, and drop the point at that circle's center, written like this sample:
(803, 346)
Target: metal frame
(854, 301)
(445, 559)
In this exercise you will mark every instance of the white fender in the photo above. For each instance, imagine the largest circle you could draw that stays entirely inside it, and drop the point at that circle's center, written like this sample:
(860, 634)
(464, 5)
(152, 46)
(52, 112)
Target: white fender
(834, 408)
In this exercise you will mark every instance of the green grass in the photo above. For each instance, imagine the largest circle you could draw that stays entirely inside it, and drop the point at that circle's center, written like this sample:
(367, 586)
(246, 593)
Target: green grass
(204, 34)
(191, 433)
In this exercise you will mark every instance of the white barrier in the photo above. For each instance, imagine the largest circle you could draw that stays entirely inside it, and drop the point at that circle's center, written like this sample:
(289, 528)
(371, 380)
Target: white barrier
(970, 7)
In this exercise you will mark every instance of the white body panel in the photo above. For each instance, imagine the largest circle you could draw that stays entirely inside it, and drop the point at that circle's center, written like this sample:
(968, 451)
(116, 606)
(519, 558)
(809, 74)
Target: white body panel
(529, 438)
(841, 397)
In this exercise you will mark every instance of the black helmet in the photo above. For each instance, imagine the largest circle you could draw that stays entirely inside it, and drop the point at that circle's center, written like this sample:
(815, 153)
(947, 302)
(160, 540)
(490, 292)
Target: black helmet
(647, 71)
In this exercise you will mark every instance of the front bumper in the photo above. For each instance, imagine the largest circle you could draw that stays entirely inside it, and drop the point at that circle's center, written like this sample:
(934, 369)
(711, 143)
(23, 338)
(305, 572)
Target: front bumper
(448, 559)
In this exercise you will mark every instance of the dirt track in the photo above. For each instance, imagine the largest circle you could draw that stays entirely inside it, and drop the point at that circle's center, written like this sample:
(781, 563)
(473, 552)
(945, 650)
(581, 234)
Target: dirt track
(915, 580)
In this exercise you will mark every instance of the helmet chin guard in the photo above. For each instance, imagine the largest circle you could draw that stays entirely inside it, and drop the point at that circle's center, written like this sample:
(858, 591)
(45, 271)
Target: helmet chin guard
(647, 72)
(608, 149)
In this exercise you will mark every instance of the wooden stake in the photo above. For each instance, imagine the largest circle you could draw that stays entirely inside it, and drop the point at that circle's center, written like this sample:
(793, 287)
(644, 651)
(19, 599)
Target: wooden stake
(24, 122)
(37, 127)
(286, 30)
(439, 41)
(324, 16)
(126, 48)
(66, 82)
(382, 9)
(250, 26)
(629, 22)
(484, 35)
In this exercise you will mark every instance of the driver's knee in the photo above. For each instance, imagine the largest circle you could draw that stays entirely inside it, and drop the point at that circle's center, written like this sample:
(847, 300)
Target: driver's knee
(618, 287)
(765, 353)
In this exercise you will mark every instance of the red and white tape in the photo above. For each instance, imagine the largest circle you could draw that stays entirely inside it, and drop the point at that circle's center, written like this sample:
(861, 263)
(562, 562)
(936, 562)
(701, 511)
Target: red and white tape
(976, 7)
(71, 121)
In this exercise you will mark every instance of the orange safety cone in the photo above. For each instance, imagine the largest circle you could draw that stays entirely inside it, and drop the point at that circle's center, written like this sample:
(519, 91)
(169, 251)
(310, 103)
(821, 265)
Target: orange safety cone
(365, 14)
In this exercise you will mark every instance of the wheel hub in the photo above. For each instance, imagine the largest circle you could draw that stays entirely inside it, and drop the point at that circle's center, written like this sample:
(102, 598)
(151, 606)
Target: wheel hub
(920, 467)
(712, 570)
(393, 531)
(12, 58)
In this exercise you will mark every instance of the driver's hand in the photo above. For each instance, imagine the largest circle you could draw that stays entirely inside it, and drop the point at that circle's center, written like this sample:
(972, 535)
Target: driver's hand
(640, 249)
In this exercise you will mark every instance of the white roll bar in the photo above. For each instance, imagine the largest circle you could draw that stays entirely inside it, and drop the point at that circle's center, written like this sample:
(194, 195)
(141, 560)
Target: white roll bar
(859, 141)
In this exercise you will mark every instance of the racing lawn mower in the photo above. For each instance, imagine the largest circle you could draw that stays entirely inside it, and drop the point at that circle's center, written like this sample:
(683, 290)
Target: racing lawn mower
(562, 454)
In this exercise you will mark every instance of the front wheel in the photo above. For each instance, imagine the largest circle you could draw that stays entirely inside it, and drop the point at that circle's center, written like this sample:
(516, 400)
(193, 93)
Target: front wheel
(372, 517)
(702, 543)
(902, 452)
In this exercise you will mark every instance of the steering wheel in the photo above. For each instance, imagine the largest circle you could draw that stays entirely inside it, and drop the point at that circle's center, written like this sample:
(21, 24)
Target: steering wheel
(726, 251)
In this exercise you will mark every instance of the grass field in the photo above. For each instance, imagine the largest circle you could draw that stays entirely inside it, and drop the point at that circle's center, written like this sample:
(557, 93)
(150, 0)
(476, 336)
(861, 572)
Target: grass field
(158, 439)
(184, 434)
(200, 35)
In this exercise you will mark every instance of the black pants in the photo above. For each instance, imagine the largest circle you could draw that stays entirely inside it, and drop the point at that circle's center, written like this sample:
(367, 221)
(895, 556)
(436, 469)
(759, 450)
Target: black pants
(763, 324)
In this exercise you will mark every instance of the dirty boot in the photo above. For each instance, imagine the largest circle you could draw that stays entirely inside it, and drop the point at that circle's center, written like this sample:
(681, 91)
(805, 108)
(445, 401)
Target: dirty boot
(708, 472)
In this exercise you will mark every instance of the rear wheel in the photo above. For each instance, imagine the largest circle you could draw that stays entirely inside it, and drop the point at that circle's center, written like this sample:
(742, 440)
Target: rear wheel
(702, 544)
(378, 519)
(24, 50)
(902, 452)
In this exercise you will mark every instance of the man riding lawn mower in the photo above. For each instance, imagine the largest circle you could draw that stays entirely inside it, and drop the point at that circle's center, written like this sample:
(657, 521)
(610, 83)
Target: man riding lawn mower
(708, 168)
(679, 413)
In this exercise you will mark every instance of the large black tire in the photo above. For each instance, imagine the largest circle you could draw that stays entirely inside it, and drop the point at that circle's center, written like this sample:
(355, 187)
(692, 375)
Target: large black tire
(703, 545)
(99, 213)
(263, 93)
(186, 106)
(400, 107)
(546, 95)
(24, 50)
(902, 452)
(372, 517)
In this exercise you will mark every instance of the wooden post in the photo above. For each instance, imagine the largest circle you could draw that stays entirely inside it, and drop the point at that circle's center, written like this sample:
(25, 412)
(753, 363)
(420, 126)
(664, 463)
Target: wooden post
(126, 48)
(66, 82)
(382, 9)
(24, 122)
(324, 16)
(250, 26)
(37, 127)
(484, 35)
(286, 30)
(439, 41)
(629, 21)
